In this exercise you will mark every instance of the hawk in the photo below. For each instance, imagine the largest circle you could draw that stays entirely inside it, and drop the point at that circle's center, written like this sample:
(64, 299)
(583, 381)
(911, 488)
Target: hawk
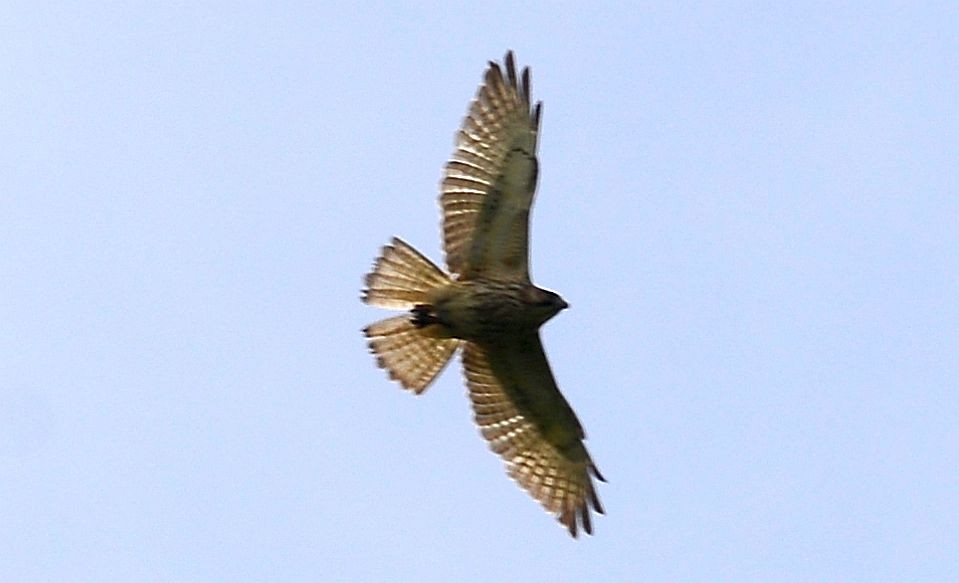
(487, 306)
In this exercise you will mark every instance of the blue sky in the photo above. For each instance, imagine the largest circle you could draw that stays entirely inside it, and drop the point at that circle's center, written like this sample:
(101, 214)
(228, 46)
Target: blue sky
(752, 210)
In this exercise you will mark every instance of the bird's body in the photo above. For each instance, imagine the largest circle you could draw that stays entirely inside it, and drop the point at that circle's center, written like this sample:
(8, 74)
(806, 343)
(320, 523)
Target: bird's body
(485, 311)
(488, 306)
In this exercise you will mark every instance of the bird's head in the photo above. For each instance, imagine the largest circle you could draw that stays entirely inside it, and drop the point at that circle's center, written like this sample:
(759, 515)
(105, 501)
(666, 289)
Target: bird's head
(544, 304)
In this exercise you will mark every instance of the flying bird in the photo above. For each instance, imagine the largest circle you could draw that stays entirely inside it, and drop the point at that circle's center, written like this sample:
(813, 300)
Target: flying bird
(487, 306)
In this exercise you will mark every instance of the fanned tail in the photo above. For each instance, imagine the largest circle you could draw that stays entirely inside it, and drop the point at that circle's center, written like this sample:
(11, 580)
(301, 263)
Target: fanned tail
(402, 279)
(408, 353)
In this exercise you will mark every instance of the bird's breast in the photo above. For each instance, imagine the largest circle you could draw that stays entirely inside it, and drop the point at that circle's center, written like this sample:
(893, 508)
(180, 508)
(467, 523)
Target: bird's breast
(482, 310)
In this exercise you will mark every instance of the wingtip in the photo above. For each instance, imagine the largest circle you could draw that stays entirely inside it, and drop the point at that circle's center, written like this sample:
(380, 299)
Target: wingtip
(587, 521)
(597, 506)
(595, 471)
(569, 520)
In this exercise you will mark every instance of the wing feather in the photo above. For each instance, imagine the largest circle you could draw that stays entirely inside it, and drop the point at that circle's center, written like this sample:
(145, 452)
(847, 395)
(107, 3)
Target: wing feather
(526, 420)
(489, 183)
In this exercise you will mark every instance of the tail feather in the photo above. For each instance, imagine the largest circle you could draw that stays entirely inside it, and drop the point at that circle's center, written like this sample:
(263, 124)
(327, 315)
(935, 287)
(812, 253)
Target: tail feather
(401, 278)
(409, 354)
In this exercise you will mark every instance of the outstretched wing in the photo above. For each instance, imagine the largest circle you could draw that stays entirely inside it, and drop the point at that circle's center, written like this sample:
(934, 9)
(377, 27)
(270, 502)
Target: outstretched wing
(526, 420)
(488, 186)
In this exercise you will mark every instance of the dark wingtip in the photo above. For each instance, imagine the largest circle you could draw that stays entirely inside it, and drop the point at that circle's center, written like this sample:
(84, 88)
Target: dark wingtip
(568, 519)
(597, 506)
(527, 86)
(595, 471)
(587, 521)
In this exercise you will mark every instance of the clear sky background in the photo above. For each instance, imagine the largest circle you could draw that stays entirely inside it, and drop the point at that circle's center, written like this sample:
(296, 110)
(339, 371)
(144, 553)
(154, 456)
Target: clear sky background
(753, 212)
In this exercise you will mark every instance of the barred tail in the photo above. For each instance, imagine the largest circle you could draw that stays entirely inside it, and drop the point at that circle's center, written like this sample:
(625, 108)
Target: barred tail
(408, 353)
(401, 279)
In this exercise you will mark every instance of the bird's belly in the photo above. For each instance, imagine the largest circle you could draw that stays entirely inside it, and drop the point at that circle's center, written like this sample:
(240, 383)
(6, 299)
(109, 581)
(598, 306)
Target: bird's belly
(482, 312)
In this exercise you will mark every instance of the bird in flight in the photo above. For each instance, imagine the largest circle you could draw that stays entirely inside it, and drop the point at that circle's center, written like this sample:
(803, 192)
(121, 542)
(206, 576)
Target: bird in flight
(487, 304)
